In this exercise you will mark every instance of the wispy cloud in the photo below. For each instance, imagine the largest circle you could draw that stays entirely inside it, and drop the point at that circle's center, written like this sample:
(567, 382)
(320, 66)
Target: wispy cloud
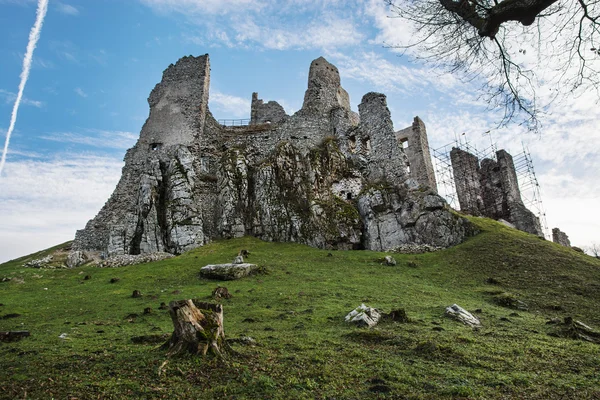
(229, 106)
(34, 36)
(95, 138)
(10, 97)
(37, 199)
(80, 92)
(67, 9)
(204, 6)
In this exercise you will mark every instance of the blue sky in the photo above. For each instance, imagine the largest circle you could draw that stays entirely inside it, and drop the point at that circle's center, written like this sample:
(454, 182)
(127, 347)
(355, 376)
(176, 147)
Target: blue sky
(97, 61)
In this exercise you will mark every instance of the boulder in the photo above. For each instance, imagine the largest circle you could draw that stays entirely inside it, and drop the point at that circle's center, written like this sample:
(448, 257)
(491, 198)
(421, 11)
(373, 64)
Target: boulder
(460, 314)
(389, 260)
(364, 316)
(75, 259)
(227, 272)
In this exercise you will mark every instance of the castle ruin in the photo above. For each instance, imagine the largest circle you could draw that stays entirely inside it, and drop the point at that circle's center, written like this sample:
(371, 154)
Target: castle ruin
(326, 176)
(490, 188)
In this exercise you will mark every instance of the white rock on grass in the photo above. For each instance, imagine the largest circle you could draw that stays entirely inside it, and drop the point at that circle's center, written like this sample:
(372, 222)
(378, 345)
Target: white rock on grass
(460, 314)
(363, 315)
(227, 272)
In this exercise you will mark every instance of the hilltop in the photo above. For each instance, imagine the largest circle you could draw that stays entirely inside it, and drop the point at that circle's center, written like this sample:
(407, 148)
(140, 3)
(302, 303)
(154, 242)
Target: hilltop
(296, 312)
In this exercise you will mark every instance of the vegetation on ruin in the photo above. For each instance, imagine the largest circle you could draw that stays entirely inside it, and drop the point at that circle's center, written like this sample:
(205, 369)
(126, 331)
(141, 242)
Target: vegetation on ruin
(295, 312)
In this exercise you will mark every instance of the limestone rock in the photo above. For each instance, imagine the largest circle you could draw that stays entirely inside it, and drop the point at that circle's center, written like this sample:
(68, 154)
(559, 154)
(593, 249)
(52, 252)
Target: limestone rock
(389, 260)
(364, 316)
(325, 176)
(75, 259)
(560, 237)
(227, 272)
(460, 314)
(39, 263)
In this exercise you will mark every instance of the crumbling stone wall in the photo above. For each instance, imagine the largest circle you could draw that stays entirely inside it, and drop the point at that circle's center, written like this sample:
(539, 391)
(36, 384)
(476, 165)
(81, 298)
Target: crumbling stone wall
(560, 237)
(416, 146)
(465, 167)
(261, 112)
(325, 176)
(491, 189)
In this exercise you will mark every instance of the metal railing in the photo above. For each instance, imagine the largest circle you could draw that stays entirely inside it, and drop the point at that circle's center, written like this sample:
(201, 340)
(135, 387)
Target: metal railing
(234, 122)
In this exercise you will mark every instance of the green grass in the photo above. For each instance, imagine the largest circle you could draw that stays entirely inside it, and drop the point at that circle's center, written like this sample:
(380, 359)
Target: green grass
(296, 314)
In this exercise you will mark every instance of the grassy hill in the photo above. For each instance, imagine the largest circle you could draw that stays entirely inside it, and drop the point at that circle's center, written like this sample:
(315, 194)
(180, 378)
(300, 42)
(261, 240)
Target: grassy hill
(296, 312)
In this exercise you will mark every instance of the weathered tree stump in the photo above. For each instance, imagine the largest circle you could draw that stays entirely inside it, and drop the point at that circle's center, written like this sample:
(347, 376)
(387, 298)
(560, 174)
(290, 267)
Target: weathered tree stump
(198, 328)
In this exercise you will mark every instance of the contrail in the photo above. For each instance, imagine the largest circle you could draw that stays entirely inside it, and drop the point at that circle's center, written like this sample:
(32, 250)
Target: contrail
(34, 36)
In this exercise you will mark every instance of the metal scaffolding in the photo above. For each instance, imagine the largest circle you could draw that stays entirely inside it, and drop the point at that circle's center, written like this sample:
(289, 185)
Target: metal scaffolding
(528, 183)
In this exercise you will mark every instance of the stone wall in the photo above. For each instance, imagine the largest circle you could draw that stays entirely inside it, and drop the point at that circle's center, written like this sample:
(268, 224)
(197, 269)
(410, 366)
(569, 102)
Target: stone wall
(560, 237)
(491, 189)
(416, 146)
(261, 112)
(325, 176)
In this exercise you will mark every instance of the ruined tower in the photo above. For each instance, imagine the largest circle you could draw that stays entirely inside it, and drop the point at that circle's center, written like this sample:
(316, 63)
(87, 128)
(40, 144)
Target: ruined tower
(416, 146)
(490, 188)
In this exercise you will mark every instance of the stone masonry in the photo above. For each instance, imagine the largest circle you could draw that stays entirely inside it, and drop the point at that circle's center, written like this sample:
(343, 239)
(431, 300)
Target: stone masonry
(326, 176)
(560, 237)
(490, 188)
(416, 146)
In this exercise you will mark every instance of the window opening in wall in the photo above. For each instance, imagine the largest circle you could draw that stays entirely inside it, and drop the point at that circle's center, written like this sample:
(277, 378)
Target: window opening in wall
(366, 145)
(155, 146)
(352, 144)
(404, 143)
(349, 196)
(408, 167)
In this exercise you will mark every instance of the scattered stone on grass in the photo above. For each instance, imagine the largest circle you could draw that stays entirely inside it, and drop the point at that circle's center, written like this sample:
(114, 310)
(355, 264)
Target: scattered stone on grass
(413, 248)
(398, 315)
(39, 263)
(114, 280)
(244, 253)
(574, 329)
(221, 292)
(5, 279)
(510, 300)
(163, 306)
(364, 316)
(87, 278)
(244, 340)
(238, 260)
(389, 260)
(136, 294)
(460, 314)
(228, 272)
(148, 310)
(128, 259)
(13, 336)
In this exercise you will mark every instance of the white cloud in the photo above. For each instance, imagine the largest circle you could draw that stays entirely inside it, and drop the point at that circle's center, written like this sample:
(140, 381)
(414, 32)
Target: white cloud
(229, 106)
(67, 9)
(43, 202)
(327, 33)
(10, 97)
(96, 138)
(194, 7)
(80, 92)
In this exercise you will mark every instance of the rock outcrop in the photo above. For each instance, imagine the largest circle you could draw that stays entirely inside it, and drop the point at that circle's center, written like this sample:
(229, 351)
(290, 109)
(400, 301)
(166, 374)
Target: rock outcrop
(325, 176)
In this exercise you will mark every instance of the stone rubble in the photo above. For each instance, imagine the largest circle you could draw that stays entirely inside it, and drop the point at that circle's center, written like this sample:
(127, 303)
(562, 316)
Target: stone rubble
(123, 260)
(227, 272)
(364, 316)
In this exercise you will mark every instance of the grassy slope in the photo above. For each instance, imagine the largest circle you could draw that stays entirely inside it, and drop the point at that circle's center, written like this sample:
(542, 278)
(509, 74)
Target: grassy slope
(296, 314)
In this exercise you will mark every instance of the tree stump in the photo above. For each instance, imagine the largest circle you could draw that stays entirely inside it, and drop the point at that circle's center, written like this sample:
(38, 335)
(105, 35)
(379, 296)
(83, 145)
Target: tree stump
(198, 328)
